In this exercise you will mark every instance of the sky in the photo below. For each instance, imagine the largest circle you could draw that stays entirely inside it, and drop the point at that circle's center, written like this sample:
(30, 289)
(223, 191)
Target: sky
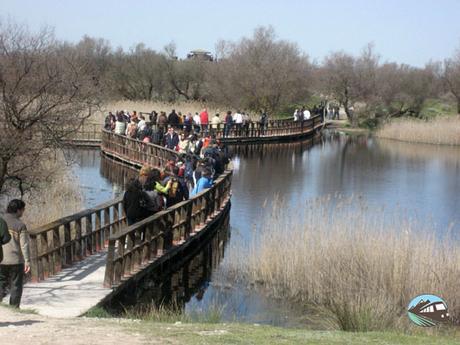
(405, 31)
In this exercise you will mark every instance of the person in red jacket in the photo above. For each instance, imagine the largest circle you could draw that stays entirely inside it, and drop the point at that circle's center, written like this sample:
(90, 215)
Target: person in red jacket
(204, 119)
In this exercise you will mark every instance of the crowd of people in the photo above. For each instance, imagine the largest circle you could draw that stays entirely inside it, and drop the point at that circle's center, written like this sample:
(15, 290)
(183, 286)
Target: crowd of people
(184, 175)
(154, 127)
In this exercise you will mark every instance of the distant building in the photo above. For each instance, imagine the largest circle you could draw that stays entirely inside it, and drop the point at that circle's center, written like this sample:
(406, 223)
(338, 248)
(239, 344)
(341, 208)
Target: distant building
(200, 54)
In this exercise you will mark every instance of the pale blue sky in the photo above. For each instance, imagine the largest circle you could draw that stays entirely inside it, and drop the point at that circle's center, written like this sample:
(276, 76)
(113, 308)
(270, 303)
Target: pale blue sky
(406, 31)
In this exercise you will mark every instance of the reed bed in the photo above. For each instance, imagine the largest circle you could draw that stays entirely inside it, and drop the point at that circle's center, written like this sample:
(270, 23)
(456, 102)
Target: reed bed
(58, 197)
(148, 106)
(440, 130)
(358, 268)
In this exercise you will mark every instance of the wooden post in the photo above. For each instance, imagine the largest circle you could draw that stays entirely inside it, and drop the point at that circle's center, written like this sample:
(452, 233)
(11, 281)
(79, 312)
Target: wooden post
(34, 258)
(67, 245)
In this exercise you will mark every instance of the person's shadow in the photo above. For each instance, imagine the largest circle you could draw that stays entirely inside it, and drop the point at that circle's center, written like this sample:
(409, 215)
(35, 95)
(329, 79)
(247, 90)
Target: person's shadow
(19, 323)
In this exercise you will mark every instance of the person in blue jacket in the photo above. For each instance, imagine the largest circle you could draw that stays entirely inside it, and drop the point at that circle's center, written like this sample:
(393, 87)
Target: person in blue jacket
(205, 181)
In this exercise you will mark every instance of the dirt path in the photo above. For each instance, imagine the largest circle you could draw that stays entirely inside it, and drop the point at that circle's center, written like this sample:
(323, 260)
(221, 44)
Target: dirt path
(30, 329)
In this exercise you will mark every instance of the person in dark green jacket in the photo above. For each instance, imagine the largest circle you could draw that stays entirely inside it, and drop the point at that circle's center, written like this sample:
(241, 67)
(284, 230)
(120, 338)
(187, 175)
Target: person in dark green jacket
(5, 236)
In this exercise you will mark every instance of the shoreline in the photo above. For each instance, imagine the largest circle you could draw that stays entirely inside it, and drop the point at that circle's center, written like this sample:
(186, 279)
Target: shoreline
(20, 328)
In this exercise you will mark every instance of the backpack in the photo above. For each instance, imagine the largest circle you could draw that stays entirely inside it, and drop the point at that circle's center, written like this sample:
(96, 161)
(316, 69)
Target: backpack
(173, 190)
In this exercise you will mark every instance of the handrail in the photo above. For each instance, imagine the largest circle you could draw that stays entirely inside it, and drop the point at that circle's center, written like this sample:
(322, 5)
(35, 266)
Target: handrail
(252, 129)
(70, 239)
(140, 244)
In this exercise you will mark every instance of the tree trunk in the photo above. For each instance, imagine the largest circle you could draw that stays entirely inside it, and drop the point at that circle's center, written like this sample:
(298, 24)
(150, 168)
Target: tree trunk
(458, 105)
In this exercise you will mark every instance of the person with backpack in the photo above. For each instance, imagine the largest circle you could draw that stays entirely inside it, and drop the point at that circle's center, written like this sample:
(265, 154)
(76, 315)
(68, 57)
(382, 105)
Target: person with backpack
(178, 191)
(5, 236)
(136, 202)
(16, 254)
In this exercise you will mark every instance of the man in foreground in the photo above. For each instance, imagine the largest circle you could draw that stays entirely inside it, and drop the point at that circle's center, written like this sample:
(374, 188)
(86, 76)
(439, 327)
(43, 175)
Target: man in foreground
(16, 257)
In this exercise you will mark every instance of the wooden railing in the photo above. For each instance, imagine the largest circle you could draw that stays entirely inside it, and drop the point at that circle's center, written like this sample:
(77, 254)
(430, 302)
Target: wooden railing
(135, 151)
(89, 132)
(140, 244)
(273, 128)
(70, 239)
(135, 247)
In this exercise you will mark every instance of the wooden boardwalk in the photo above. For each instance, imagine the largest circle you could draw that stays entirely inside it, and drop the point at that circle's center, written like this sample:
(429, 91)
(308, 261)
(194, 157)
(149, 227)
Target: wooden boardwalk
(81, 260)
(72, 291)
(86, 258)
(252, 133)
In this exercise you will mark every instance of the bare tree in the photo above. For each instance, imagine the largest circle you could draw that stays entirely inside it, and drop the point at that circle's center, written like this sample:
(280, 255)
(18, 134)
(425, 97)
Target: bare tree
(46, 93)
(451, 76)
(138, 74)
(186, 77)
(260, 72)
(350, 79)
(403, 90)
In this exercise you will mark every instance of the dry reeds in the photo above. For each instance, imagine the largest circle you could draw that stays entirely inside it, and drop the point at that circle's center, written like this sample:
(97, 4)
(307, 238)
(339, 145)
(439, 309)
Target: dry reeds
(148, 106)
(441, 130)
(361, 268)
(59, 197)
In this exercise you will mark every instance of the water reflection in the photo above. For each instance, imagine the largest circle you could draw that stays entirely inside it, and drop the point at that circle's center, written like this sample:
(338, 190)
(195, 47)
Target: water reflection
(174, 284)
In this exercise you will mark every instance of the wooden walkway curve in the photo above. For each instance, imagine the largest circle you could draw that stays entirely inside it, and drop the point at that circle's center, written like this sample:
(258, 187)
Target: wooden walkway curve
(80, 260)
(83, 259)
(253, 132)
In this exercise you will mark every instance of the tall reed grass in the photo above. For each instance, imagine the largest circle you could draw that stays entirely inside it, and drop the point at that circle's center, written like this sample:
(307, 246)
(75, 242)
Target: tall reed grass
(148, 106)
(356, 265)
(171, 313)
(440, 130)
(58, 196)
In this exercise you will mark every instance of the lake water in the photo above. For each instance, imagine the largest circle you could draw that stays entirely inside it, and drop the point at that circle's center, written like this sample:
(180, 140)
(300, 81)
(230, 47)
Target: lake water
(422, 180)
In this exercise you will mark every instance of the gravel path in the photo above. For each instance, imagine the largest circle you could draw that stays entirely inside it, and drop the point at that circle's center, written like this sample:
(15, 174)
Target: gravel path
(29, 329)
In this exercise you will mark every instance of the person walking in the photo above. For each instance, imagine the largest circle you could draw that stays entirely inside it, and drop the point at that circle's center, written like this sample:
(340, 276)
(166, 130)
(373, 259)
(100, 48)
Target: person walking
(228, 123)
(204, 120)
(16, 254)
(174, 119)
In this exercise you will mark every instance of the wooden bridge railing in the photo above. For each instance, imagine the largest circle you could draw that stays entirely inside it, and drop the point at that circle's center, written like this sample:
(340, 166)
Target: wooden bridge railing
(134, 150)
(91, 132)
(70, 239)
(273, 128)
(138, 245)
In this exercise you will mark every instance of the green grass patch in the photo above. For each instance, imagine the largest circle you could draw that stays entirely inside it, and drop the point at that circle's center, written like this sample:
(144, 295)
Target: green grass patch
(98, 312)
(235, 333)
(436, 107)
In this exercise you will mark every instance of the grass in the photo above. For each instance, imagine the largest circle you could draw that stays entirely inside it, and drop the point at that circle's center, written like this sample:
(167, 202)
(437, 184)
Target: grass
(168, 314)
(235, 333)
(440, 130)
(20, 311)
(357, 267)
